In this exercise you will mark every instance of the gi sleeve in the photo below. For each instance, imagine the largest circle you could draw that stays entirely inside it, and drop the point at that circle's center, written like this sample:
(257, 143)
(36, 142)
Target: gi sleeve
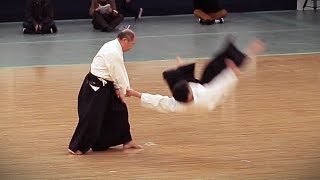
(160, 103)
(119, 74)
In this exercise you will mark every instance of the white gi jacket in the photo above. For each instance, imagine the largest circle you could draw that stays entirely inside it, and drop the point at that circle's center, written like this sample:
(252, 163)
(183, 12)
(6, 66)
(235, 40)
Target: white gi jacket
(108, 64)
(206, 97)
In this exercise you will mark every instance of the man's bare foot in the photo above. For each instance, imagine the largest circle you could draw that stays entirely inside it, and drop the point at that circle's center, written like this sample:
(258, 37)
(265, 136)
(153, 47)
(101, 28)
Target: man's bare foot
(255, 47)
(180, 62)
(230, 64)
(78, 152)
(131, 145)
(75, 153)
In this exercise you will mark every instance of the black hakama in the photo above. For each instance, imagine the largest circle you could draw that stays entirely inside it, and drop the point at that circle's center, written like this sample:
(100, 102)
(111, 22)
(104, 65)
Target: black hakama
(103, 118)
(211, 70)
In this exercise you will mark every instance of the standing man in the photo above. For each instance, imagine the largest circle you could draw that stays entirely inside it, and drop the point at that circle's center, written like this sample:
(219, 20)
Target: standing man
(103, 115)
(39, 17)
(209, 11)
(105, 16)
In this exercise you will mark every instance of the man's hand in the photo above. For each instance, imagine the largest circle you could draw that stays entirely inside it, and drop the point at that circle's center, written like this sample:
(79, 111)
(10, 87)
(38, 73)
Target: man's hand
(104, 9)
(131, 92)
(119, 95)
(37, 29)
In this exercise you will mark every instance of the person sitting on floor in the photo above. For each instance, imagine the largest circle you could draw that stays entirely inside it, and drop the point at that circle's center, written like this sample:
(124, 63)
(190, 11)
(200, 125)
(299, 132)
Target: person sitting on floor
(39, 17)
(105, 16)
(209, 11)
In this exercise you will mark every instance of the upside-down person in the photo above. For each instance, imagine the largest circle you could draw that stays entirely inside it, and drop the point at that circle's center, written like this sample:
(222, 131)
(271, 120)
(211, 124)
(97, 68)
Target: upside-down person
(218, 80)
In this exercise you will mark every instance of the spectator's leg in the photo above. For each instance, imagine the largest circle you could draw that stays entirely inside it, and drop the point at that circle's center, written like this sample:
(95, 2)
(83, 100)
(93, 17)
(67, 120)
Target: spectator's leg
(204, 18)
(99, 21)
(49, 28)
(28, 28)
(115, 20)
(218, 14)
(201, 14)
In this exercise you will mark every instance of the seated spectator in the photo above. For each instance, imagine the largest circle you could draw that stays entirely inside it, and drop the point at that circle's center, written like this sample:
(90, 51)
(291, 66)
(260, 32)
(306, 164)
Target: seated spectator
(130, 8)
(39, 17)
(209, 11)
(105, 16)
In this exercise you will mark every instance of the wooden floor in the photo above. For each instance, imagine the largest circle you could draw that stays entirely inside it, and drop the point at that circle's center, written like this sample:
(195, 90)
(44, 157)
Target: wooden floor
(269, 129)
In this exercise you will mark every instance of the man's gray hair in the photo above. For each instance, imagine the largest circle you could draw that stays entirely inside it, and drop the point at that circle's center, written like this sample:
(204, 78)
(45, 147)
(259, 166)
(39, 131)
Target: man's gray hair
(127, 33)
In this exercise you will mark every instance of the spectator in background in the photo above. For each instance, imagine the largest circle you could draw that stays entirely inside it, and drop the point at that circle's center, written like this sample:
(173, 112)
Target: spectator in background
(39, 17)
(209, 11)
(129, 7)
(105, 15)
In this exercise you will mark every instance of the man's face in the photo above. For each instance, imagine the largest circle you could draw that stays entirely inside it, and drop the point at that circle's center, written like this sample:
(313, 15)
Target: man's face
(127, 44)
(190, 96)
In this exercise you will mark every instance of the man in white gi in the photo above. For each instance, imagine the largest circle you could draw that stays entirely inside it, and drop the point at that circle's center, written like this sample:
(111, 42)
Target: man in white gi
(103, 115)
(219, 79)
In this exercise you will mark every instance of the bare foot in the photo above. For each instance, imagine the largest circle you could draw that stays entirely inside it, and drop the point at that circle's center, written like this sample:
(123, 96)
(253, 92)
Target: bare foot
(75, 153)
(78, 152)
(233, 66)
(255, 47)
(180, 62)
(131, 145)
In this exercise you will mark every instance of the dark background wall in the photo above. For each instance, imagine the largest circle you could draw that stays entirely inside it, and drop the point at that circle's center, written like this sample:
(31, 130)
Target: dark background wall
(13, 10)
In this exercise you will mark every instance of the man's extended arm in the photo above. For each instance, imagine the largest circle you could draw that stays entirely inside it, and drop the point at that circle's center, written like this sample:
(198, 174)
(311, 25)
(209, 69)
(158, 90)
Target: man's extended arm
(160, 103)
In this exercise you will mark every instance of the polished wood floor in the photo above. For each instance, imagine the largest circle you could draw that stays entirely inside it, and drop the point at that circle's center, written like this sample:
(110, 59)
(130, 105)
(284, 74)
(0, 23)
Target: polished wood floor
(269, 129)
